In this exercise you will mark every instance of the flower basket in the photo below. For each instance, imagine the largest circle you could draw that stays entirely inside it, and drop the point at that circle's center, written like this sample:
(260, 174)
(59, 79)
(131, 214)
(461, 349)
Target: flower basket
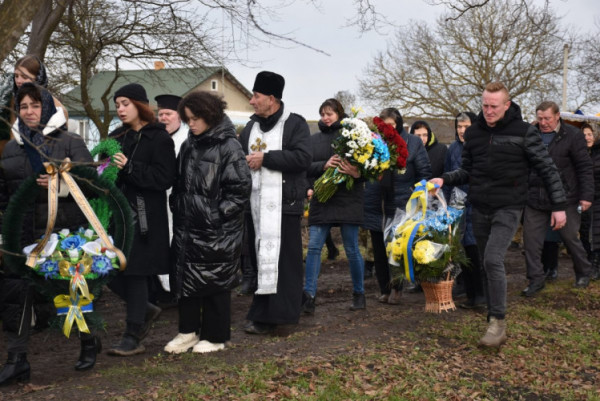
(423, 246)
(438, 296)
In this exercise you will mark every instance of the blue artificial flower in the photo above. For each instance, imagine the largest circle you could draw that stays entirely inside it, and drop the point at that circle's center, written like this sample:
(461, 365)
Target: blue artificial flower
(101, 265)
(49, 268)
(72, 242)
(380, 151)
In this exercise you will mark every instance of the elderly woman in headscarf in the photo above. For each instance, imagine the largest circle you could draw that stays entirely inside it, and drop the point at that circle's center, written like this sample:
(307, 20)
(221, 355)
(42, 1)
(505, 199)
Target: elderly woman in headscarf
(39, 136)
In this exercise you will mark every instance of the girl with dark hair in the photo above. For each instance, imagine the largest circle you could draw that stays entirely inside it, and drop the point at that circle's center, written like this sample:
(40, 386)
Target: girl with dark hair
(211, 190)
(39, 136)
(30, 68)
(344, 209)
(147, 170)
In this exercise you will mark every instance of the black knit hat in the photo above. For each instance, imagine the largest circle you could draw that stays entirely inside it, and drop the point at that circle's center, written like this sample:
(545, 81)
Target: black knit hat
(167, 102)
(133, 92)
(269, 83)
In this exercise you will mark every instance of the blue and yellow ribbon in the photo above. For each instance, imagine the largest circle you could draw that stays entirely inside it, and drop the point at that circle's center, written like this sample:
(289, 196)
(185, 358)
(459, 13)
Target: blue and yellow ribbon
(409, 230)
(75, 306)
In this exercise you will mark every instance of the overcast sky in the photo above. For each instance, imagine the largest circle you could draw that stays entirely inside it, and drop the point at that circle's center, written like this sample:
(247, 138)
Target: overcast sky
(312, 77)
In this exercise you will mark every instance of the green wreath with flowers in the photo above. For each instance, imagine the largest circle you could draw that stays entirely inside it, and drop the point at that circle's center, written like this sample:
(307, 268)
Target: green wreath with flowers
(61, 265)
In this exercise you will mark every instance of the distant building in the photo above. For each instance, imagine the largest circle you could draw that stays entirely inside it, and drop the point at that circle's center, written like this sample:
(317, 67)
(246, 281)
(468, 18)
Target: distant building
(158, 81)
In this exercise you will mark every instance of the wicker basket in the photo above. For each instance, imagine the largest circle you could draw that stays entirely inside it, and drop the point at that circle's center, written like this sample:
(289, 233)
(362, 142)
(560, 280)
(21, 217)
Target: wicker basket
(438, 296)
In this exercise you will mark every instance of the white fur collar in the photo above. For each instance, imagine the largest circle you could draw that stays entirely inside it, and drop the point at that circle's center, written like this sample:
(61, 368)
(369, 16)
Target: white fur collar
(57, 120)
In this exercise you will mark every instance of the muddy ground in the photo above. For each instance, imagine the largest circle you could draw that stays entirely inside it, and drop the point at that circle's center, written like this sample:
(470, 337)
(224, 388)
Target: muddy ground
(333, 327)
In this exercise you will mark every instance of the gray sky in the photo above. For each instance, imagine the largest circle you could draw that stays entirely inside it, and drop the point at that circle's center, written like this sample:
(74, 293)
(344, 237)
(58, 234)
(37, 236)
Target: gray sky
(312, 77)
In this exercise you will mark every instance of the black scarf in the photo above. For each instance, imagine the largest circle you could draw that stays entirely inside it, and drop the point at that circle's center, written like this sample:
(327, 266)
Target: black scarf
(267, 123)
(33, 139)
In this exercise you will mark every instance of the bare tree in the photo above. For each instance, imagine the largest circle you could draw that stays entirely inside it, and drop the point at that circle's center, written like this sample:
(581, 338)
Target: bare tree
(15, 16)
(458, 8)
(93, 36)
(584, 85)
(347, 99)
(441, 71)
(44, 24)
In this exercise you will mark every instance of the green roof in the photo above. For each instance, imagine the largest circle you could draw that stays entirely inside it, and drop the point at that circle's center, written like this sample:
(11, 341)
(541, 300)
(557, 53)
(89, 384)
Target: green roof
(175, 81)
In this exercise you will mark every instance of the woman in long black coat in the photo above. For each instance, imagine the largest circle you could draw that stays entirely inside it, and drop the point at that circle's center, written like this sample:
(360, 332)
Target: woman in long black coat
(212, 187)
(589, 231)
(147, 170)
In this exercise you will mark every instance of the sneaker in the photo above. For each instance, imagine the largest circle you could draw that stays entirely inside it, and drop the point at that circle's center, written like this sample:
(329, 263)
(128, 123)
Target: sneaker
(181, 343)
(495, 335)
(205, 346)
(395, 297)
(383, 298)
(129, 345)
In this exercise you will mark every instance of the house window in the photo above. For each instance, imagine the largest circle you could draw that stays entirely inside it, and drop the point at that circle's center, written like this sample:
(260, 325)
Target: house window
(214, 85)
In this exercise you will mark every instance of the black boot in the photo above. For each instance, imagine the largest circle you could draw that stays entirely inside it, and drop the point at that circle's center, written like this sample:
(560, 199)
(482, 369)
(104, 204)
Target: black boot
(595, 265)
(152, 313)
(130, 342)
(249, 280)
(308, 303)
(16, 369)
(358, 301)
(90, 347)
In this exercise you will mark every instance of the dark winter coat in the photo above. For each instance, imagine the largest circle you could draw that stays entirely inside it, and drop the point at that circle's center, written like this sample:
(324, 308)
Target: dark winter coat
(569, 152)
(436, 151)
(496, 162)
(452, 162)
(590, 219)
(384, 197)
(293, 160)
(149, 172)
(211, 190)
(345, 206)
(15, 168)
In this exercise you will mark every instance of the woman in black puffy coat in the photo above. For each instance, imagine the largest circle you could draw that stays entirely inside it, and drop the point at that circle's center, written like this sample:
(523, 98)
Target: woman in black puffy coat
(211, 190)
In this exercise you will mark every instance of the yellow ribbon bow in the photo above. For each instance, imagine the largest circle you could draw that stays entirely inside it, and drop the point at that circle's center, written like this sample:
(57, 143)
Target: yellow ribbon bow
(74, 303)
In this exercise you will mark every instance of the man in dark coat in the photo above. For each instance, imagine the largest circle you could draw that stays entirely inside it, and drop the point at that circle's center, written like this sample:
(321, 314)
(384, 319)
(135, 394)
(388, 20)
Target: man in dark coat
(277, 144)
(498, 152)
(567, 148)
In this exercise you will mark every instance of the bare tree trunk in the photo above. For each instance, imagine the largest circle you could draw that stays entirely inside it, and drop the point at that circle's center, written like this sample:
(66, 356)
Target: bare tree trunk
(44, 23)
(15, 15)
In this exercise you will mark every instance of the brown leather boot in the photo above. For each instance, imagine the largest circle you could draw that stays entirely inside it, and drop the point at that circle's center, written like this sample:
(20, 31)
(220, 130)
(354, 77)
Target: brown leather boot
(495, 335)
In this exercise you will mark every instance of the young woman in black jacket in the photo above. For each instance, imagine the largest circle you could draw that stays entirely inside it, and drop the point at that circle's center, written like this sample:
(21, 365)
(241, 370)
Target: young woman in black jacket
(147, 170)
(344, 209)
(211, 189)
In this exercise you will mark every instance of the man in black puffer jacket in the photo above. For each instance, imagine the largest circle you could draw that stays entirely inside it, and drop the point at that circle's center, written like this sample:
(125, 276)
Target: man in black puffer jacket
(500, 148)
(567, 147)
